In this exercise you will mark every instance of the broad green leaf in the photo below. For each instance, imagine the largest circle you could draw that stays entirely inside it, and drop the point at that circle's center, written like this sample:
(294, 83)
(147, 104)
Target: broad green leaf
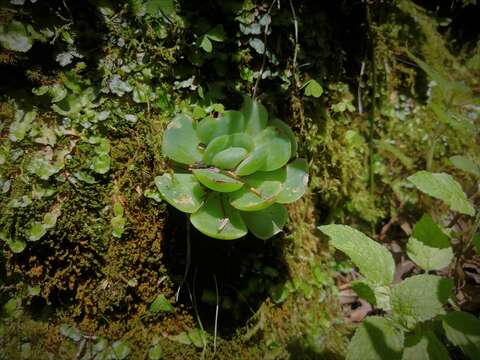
(217, 219)
(230, 122)
(279, 124)
(424, 345)
(266, 223)
(217, 33)
(252, 163)
(16, 245)
(160, 304)
(215, 180)
(256, 116)
(182, 191)
(166, 7)
(466, 164)
(442, 186)
(313, 88)
(428, 246)
(224, 142)
(206, 44)
(229, 158)
(420, 298)
(378, 296)
(376, 339)
(373, 260)
(36, 231)
(463, 329)
(155, 352)
(180, 141)
(296, 182)
(276, 146)
(14, 36)
(260, 191)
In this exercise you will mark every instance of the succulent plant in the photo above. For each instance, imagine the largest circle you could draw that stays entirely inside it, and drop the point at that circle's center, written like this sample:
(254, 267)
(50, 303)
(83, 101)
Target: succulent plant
(232, 172)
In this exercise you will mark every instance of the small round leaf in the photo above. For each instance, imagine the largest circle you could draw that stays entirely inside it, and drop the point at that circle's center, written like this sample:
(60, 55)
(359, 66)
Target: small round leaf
(180, 141)
(217, 219)
(266, 223)
(182, 191)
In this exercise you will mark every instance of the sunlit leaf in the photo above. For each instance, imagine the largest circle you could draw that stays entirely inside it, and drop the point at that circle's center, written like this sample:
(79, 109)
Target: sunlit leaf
(266, 223)
(215, 180)
(36, 231)
(160, 304)
(424, 345)
(217, 219)
(101, 163)
(182, 191)
(180, 141)
(296, 182)
(313, 88)
(261, 190)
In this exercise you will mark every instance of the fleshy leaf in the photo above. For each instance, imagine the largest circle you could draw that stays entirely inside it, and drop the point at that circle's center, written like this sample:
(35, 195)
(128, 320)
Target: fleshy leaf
(217, 219)
(288, 132)
(180, 141)
(444, 187)
(276, 146)
(260, 191)
(182, 191)
(374, 260)
(420, 298)
(376, 339)
(230, 122)
(463, 330)
(252, 163)
(428, 246)
(296, 182)
(256, 116)
(215, 180)
(229, 158)
(266, 223)
(223, 142)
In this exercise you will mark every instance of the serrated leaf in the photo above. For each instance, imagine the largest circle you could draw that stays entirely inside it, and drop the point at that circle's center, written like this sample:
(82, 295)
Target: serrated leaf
(442, 186)
(296, 182)
(215, 180)
(378, 296)
(260, 191)
(230, 122)
(466, 164)
(463, 329)
(266, 223)
(217, 219)
(180, 141)
(160, 304)
(313, 88)
(182, 191)
(256, 116)
(424, 345)
(374, 260)
(376, 339)
(428, 246)
(420, 298)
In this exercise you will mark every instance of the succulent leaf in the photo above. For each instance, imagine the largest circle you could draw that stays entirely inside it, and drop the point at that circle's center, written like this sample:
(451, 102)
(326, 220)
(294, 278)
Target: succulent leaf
(256, 116)
(229, 158)
(182, 191)
(180, 141)
(214, 180)
(276, 146)
(224, 142)
(230, 122)
(296, 182)
(266, 223)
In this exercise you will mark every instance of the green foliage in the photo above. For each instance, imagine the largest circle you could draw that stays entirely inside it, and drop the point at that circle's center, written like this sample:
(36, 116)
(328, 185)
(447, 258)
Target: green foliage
(463, 330)
(160, 304)
(239, 173)
(442, 186)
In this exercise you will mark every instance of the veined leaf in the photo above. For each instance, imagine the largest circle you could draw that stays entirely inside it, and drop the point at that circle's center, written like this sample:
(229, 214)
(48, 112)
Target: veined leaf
(463, 330)
(442, 186)
(376, 339)
(424, 345)
(374, 260)
(420, 298)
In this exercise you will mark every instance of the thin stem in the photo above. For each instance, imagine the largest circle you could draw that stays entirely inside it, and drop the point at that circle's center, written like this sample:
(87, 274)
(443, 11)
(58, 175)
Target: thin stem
(188, 259)
(373, 111)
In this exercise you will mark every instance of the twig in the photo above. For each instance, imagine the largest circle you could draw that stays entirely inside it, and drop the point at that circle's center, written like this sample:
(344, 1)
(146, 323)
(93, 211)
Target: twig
(264, 59)
(295, 51)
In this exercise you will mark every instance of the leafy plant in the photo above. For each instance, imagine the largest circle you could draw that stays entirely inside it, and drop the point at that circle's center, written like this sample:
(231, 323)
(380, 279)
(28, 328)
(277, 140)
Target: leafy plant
(412, 305)
(232, 172)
